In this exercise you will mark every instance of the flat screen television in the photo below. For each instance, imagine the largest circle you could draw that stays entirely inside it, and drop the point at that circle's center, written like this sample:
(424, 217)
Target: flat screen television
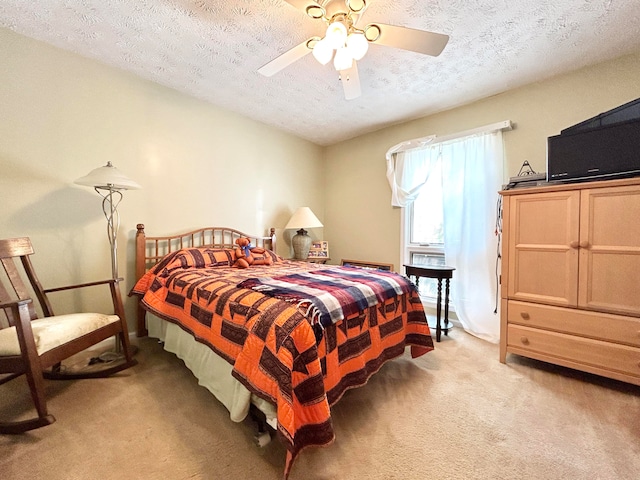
(600, 153)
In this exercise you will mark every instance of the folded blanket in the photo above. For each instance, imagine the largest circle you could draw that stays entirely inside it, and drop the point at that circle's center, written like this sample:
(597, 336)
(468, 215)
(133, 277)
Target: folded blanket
(330, 295)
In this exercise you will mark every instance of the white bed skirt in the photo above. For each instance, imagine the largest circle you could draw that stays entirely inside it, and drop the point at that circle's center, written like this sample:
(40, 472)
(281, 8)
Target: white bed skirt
(212, 371)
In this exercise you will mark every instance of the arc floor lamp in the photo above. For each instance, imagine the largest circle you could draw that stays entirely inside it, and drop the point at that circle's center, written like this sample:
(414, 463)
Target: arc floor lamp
(109, 183)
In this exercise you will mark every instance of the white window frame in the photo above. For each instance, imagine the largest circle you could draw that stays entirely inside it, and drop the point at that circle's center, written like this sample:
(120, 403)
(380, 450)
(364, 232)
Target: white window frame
(409, 248)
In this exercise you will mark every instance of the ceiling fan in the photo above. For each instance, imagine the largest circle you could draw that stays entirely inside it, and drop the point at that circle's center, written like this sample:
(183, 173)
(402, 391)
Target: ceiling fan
(345, 42)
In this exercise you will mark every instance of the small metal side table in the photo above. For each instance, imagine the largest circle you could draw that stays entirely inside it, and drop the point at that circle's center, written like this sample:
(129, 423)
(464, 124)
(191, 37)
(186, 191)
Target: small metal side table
(439, 272)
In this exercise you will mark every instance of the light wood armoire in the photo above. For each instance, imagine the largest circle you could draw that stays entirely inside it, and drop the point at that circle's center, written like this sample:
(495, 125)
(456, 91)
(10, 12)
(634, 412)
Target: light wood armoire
(570, 282)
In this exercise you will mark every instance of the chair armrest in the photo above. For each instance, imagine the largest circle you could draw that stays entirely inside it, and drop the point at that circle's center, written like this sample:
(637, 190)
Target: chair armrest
(22, 323)
(21, 318)
(15, 304)
(114, 287)
(113, 281)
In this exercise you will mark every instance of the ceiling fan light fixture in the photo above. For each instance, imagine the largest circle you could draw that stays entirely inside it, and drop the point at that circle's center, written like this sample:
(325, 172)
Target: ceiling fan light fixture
(343, 59)
(357, 45)
(323, 52)
(336, 34)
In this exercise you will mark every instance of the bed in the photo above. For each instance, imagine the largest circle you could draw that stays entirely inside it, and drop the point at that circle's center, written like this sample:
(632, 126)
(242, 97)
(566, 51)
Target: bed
(289, 338)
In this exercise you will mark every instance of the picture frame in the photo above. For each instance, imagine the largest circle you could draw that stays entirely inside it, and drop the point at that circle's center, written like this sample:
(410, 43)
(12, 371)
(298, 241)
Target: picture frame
(319, 249)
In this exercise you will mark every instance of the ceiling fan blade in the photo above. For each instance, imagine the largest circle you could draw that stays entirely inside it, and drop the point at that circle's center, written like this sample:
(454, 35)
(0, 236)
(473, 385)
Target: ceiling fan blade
(286, 59)
(351, 82)
(428, 43)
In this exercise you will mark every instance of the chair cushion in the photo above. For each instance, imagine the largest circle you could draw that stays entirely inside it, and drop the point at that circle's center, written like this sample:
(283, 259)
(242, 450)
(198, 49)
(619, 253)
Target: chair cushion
(51, 332)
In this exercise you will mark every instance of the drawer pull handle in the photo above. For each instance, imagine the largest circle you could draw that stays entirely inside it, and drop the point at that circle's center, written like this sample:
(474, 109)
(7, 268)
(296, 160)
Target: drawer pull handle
(524, 315)
(524, 340)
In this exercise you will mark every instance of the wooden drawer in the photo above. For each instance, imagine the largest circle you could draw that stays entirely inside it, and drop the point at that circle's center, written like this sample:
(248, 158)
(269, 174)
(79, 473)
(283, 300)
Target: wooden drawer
(573, 351)
(596, 325)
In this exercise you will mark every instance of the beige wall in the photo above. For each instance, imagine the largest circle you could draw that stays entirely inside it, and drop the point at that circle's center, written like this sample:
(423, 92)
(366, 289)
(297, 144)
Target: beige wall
(62, 115)
(359, 220)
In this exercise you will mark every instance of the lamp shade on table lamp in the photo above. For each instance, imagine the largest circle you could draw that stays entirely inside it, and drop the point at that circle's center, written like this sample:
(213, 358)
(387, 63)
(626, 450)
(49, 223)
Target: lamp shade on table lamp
(301, 219)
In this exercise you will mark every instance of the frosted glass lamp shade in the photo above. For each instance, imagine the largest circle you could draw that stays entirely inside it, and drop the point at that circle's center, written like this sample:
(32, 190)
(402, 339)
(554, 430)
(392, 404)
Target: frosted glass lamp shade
(336, 35)
(357, 45)
(343, 59)
(302, 218)
(323, 52)
(108, 177)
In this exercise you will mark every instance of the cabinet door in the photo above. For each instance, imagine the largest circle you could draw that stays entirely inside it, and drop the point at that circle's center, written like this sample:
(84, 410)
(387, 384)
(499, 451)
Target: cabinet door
(543, 247)
(610, 249)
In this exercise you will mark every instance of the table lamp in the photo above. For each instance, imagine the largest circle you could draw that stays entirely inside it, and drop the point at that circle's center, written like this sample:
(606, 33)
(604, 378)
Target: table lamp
(302, 218)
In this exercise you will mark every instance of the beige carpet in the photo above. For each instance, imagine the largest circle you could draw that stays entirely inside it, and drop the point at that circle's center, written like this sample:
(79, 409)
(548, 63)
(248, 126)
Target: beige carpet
(456, 413)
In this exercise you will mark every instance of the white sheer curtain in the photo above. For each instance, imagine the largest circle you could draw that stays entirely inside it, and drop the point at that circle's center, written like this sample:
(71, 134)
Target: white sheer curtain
(407, 172)
(472, 174)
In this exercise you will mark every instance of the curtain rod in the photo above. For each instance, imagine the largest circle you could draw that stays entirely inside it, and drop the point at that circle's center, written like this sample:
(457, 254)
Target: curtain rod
(435, 139)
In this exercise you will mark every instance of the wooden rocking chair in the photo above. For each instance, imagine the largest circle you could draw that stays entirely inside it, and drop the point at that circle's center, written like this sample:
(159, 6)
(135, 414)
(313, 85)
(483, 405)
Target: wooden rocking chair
(36, 346)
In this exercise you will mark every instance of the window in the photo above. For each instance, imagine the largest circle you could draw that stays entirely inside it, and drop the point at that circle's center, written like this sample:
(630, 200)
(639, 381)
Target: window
(425, 212)
(424, 231)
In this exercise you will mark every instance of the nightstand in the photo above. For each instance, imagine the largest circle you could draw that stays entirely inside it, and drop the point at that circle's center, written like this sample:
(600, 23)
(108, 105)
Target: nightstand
(440, 273)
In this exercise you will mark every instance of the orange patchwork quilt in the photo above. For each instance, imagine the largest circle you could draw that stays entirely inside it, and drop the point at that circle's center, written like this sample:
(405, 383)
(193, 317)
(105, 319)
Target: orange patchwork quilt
(275, 350)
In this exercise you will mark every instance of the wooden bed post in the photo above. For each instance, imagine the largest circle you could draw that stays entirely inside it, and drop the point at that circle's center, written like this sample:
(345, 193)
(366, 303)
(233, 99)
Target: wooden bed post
(141, 328)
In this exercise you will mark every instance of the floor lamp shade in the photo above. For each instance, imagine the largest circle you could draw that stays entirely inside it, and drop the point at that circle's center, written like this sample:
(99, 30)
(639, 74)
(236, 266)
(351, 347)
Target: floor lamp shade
(107, 177)
(302, 218)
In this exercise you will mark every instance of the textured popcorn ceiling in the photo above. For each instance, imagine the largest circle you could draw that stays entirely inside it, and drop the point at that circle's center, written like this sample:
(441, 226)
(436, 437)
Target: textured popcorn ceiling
(212, 49)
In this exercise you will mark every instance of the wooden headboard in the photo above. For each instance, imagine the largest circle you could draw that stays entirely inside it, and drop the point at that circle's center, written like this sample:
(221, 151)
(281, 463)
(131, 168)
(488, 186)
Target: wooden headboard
(149, 250)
